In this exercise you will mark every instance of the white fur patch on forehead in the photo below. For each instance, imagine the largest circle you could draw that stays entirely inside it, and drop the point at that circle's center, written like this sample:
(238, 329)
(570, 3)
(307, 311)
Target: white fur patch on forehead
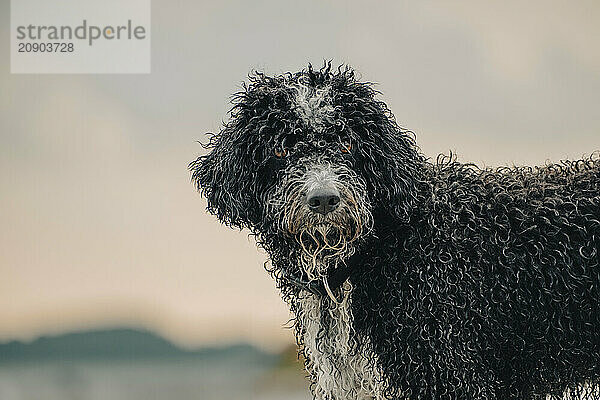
(313, 105)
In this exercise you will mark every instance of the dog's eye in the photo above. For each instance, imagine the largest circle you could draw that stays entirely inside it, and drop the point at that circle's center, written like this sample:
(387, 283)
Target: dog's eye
(280, 152)
(346, 147)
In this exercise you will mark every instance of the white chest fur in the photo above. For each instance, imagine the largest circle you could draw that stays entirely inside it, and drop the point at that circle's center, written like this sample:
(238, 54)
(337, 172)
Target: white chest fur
(339, 372)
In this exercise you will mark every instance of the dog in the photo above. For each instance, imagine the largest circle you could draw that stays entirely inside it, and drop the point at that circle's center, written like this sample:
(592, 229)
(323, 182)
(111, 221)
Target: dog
(410, 278)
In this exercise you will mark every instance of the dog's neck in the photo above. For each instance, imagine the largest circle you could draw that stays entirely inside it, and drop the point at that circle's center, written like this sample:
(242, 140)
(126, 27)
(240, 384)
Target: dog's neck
(287, 258)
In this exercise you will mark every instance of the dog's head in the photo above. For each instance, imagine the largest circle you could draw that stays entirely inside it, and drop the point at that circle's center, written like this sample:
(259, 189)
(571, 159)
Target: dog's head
(312, 157)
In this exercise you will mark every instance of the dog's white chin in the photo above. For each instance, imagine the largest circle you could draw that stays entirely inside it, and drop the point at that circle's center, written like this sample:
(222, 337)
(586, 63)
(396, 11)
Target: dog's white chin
(323, 247)
(324, 227)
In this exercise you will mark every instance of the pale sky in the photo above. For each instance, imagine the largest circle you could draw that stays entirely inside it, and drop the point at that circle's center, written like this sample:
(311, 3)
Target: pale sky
(99, 224)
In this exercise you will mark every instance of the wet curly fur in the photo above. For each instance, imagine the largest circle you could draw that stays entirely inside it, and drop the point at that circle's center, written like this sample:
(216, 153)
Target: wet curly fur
(465, 283)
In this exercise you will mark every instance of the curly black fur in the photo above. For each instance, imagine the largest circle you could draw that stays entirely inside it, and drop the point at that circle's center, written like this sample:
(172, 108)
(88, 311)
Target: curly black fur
(472, 283)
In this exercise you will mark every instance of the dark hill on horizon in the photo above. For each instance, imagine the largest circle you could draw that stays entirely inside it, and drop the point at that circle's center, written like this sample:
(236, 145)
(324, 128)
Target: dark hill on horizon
(127, 344)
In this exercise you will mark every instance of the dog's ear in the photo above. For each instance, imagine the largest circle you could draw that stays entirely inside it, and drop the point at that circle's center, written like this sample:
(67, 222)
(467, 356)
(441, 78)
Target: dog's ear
(390, 159)
(224, 177)
(400, 168)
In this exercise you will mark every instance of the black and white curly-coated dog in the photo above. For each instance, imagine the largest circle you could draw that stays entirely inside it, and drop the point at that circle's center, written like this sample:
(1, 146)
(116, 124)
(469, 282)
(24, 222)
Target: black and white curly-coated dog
(410, 279)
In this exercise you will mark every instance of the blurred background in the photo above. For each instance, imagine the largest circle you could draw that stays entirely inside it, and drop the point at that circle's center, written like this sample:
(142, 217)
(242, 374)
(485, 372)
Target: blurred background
(114, 282)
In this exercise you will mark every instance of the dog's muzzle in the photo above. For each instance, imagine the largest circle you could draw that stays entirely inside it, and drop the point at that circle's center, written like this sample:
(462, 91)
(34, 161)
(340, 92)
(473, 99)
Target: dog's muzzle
(323, 207)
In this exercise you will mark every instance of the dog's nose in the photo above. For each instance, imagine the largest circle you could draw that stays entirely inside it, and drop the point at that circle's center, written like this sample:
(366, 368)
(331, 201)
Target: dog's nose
(323, 200)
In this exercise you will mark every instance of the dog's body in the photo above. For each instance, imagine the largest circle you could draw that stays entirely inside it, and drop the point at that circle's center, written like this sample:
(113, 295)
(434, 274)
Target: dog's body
(410, 280)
